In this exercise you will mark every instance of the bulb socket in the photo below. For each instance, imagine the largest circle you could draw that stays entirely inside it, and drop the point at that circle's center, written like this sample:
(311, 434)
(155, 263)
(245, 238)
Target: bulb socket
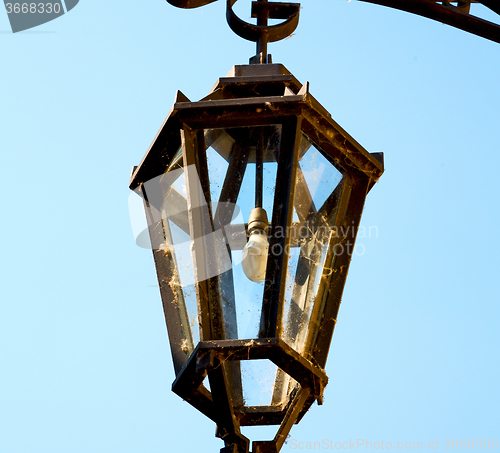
(258, 221)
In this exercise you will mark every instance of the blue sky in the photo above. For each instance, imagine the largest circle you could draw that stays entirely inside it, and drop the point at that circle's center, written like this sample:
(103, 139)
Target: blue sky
(84, 358)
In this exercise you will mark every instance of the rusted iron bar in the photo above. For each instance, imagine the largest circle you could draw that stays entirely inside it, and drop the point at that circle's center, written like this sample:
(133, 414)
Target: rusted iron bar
(456, 16)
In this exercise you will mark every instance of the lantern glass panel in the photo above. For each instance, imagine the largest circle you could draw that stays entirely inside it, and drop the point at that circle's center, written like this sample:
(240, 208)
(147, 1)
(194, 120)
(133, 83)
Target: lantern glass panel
(317, 187)
(178, 240)
(232, 156)
(264, 384)
(258, 380)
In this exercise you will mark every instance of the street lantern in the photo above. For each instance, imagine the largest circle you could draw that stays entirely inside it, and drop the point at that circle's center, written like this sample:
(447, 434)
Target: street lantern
(253, 197)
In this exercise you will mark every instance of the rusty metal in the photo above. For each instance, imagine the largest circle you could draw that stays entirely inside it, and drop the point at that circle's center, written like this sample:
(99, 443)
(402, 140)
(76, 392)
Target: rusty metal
(457, 14)
(209, 354)
(454, 13)
(254, 95)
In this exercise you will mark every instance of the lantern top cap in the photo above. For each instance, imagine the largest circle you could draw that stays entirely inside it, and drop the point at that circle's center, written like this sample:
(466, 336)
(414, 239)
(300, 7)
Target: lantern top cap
(258, 74)
(251, 70)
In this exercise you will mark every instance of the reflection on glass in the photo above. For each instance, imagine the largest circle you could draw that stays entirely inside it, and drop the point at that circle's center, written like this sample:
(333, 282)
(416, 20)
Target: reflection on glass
(232, 158)
(315, 202)
(258, 382)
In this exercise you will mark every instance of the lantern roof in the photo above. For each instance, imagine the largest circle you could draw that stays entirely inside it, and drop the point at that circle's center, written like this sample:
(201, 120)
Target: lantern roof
(250, 93)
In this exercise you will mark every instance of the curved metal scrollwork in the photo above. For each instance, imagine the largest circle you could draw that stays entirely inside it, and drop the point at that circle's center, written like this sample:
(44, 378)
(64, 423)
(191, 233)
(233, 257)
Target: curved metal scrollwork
(451, 12)
(261, 33)
(263, 10)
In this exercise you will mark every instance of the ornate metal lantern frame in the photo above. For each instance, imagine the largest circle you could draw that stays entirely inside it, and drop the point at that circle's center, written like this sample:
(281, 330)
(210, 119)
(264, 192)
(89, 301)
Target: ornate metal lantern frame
(257, 96)
(266, 98)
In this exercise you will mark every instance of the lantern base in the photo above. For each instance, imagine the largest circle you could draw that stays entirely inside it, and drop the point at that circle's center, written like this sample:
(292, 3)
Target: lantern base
(212, 358)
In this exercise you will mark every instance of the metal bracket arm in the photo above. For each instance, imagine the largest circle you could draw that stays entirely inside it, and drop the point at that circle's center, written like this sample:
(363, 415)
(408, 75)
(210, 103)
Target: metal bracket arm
(457, 16)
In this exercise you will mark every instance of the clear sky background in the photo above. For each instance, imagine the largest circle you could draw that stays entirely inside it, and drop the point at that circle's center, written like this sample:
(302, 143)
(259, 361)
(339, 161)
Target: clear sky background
(85, 364)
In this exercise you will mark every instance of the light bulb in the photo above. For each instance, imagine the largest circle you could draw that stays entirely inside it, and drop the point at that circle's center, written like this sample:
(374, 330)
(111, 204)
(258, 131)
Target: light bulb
(254, 257)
